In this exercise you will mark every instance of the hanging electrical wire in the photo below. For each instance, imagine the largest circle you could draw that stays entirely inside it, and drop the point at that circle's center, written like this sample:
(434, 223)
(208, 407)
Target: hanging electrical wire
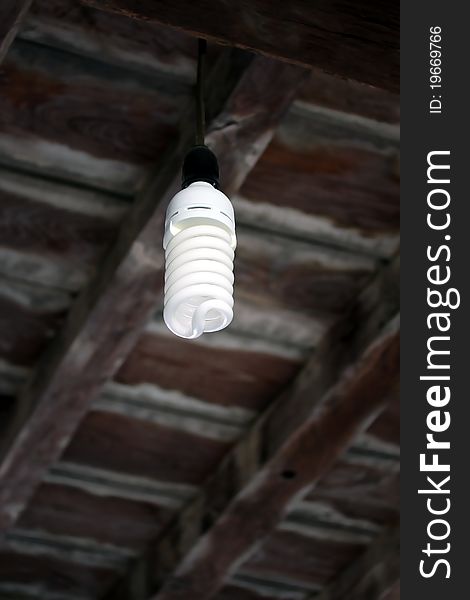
(200, 104)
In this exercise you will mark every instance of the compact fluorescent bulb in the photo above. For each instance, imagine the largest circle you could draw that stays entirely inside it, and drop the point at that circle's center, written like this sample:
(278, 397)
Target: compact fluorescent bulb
(199, 244)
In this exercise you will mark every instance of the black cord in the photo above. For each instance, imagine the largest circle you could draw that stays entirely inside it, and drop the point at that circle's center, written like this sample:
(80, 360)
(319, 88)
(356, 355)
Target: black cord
(200, 108)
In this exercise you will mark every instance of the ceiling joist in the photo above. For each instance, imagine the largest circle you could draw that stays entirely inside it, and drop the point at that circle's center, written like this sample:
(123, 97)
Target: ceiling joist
(355, 39)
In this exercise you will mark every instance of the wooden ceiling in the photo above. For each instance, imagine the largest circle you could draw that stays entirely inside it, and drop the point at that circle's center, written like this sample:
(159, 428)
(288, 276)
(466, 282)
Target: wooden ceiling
(258, 463)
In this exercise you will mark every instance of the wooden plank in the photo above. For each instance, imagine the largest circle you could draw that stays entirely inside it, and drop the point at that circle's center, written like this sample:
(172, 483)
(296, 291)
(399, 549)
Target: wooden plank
(84, 132)
(358, 490)
(343, 181)
(350, 97)
(242, 586)
(275, 271)
(76, 98)
(230, 377)
(12, 12)
(145, 47)
(31, 226)
(76, 550)
(237, 592)
(48, 279)
(47, 575)
(294, 443)
(321, 521)
(53, 237)
(122, 444)
(309, 561)
(364, 485)
(357, 40)
(64, 510)
(373, 575)
(25, 330)
(106, 320)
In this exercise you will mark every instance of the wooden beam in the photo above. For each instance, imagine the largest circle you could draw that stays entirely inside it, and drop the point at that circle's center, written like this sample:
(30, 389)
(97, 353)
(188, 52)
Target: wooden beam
(339, 391)
(373, 575)
(12, 12)
(246, 98)
(355, 39)
(311, 450)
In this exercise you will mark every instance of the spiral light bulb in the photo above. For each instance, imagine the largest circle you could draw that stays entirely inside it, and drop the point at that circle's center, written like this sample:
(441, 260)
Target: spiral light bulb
(199, 244)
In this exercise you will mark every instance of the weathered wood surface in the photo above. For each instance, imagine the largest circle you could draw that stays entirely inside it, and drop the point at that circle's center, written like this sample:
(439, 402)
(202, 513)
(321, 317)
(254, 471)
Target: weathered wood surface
(53, 237)
(357, 327)
(291, 556)
(386, 429)
(123, 444)
(106, 320)
(356, 40)
(330, 177)
(47, 255)
(12, 13)
(70, 109)
(373, 574)
(150, 47)
(364, 485)
(86, 105)
(64, 510)
(350, 97)
(254, 590)
(236, 592)
(302, 459)
(145, 47)
(223, 376)
(248, 493)
(43, 576)
(359, 489)
(275, 271)
(25, 329)
(39, 228)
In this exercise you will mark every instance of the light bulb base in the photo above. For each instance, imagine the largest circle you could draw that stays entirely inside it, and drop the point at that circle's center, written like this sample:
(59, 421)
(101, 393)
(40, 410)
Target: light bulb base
(200, 164)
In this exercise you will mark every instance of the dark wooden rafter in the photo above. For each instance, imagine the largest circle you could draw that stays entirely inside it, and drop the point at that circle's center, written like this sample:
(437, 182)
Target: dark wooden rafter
(12, 13)
(374, 575)
(341, 389)
(355, 39)
(245, 99)
(305, 456)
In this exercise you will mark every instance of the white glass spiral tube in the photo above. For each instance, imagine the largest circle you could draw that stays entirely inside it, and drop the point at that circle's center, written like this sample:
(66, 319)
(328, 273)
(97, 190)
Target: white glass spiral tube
(199, 247)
